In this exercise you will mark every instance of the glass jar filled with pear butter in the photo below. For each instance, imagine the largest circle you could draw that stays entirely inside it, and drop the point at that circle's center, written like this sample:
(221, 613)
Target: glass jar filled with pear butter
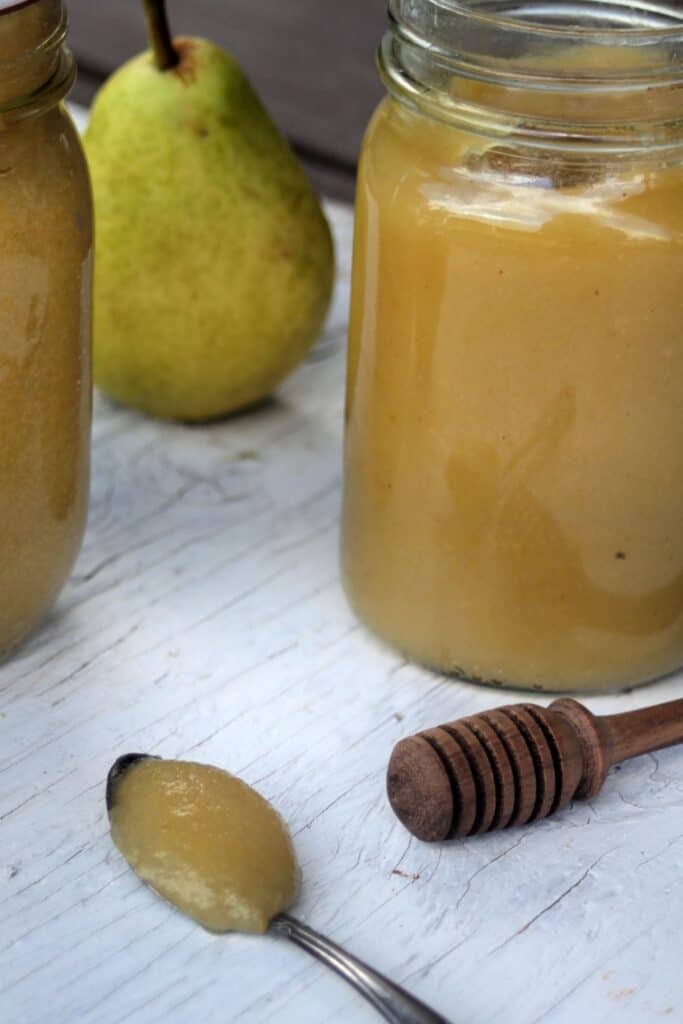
(514, 448)
(45, 284)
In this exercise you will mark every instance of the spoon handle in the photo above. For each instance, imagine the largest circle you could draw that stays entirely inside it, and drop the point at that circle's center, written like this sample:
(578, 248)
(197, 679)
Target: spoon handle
(391, 1001)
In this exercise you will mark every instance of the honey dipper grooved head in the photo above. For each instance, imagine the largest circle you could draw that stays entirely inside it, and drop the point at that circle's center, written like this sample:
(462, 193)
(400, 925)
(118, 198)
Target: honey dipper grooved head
(516, 764)
(419, 790)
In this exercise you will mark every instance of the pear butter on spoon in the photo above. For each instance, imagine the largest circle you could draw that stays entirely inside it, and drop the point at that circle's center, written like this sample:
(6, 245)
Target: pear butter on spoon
(204, 840)
(212, 846)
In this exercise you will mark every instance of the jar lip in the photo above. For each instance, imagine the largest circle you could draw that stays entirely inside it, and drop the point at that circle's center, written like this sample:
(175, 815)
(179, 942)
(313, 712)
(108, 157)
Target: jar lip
(36, 67)
(471, 38)
(52, 41)
(482, 11)
(615, 90)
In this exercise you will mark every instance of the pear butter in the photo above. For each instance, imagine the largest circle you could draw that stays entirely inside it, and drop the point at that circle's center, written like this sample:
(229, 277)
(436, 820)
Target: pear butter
(45, 271)
(205, 841)
(514, 447)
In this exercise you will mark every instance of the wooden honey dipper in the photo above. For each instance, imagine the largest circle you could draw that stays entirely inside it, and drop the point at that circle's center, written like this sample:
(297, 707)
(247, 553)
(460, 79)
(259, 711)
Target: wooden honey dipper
(516, 764)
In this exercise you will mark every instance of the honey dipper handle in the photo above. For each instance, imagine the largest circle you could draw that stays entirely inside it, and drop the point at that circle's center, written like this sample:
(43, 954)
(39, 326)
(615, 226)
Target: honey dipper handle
(610, 739)
(641, 732)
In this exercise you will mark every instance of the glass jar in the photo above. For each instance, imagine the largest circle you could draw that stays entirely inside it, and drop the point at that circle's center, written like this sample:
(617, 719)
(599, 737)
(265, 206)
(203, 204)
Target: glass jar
(45, 285)
(514, 446)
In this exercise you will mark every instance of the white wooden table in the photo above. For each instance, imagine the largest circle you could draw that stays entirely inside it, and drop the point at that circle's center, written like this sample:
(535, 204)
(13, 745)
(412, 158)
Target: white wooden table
(205, 620)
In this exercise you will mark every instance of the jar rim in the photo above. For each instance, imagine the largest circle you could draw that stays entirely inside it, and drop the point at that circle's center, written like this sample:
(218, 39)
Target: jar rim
(614, 87)
(52, 40)
(488, 12)
(36, 67)
(472, 38)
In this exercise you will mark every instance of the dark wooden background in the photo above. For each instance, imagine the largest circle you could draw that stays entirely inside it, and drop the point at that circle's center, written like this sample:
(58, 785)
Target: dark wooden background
(311, 60)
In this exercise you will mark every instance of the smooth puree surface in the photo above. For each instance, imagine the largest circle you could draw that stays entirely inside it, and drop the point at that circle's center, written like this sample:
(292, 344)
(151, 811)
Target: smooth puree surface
(206, 842)
(514, 449)
(45, 281)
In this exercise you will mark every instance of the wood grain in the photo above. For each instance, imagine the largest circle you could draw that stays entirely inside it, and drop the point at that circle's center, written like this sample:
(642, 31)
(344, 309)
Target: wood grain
(205, 620)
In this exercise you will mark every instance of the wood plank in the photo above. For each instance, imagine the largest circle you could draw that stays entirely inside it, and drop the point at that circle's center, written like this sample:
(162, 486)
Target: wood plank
(313, 61)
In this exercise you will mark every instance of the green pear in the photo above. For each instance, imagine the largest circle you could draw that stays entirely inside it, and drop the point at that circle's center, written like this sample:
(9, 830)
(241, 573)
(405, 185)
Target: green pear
(214, 261)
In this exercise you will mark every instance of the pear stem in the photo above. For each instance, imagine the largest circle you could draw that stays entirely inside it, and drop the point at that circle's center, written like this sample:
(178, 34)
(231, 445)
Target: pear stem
(165, 54)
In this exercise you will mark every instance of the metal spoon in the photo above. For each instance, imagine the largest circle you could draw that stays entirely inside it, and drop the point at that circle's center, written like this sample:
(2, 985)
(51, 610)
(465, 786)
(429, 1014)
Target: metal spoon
(390, 1000)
